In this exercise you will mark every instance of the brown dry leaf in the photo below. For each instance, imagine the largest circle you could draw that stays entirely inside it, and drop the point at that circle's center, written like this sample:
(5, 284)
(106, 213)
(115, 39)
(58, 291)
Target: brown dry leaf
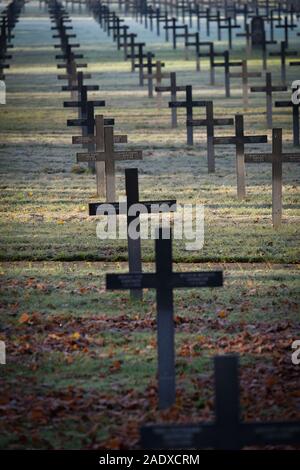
(222, 314)
(24, 318)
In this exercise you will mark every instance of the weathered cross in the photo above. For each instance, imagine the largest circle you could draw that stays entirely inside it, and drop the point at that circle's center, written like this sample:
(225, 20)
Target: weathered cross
(240, 140)
(268, 89)
(247, 34)
(158, 75)
(109, 155)
(211, 54)
(195, 43)
(141, 64)
(72, 76)
(164, 281)
(133, 208)
(174, 27)
(245, 75)
(128, 40)
(228, 432)
(139, 55)
(96, 142)
(210, 122)
(276, 158)
(229, 26)
(286, 26)
(173, 88)
(188, 104)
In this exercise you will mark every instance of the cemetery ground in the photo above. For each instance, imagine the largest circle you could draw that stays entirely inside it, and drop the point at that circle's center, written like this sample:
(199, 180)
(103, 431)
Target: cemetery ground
(81, 361)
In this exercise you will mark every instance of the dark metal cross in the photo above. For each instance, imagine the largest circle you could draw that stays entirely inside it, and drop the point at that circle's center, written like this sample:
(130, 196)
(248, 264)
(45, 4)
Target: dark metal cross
(164, 281)
(134, 205)
(276, 158)
(174, 27)
(210, 122)
(228, 432)
(188, 104)
(195, 43)
(245, 75)
(150, 75)
(240, 140)
(141, 65)
(268, 89)
(229, 26)
(173, 88)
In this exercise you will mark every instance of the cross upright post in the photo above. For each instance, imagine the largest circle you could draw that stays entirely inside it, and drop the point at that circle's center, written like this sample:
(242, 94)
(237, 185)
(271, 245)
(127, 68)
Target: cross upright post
(276, 158)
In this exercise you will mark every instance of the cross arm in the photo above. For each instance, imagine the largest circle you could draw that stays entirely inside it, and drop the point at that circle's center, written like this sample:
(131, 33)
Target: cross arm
(177, 436)
(76, 87)
(83, 122)
(253, 139)
(270, 433)
(116, 155)
(78, 104)
(147, 207)
(204, 122)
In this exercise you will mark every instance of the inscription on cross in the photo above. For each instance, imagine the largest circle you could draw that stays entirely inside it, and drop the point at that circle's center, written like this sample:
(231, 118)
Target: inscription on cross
(164, 281)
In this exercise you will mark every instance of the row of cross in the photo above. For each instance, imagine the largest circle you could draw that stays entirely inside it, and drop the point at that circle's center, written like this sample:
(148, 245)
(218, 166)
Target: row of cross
(111, 22)
(228, 431)
(8, 20)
